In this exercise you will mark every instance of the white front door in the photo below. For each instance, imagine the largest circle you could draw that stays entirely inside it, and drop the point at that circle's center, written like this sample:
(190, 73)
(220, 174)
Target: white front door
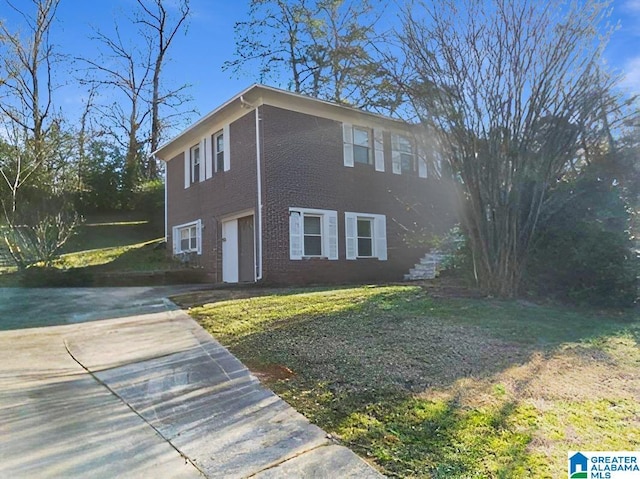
(230, 251)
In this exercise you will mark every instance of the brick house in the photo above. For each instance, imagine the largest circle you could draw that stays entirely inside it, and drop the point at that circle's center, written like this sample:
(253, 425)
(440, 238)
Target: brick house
(277, 187)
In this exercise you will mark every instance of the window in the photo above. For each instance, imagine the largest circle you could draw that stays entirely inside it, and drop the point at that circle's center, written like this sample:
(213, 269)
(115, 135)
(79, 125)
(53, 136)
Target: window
(313, 233)
(402, 154)
(195, 163)
(187, 238)
(366, 236)
(362, 146)
(219, 153)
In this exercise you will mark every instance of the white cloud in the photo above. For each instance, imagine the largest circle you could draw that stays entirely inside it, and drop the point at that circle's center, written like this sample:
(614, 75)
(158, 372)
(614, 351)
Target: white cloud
(632, 5)
(631, 75)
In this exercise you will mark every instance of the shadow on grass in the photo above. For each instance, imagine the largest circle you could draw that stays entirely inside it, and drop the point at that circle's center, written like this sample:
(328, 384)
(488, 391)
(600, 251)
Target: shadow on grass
(138, 265)
(361, 362)
(110, 231)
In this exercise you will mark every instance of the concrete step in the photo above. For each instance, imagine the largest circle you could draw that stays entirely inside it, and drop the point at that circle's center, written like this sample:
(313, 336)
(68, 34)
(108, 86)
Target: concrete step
(421, 274)
(424, 266)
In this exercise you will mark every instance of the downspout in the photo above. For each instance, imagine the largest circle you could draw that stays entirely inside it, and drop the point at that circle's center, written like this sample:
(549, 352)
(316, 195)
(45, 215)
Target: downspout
(258, 257)
(166, 205)
(259, 190)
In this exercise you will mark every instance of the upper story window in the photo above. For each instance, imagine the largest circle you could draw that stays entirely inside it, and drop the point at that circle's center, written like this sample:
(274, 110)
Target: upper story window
(194, 154)
(362, 145)
(219, 151)
(402, 155)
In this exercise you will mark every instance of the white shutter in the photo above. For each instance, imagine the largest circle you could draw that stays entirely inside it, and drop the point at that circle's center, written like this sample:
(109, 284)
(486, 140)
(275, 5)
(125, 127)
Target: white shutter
(378, 144)
(227, 142)
(295, 235)
(330, 220)
(422, 162)
(347, 138)
(199, 235)
(208, 171)
(380, 233)
(396, 159)
(187, 169)
(438, 165)
(422, 168)
(350, 233)
(202, 160)
(174, 236)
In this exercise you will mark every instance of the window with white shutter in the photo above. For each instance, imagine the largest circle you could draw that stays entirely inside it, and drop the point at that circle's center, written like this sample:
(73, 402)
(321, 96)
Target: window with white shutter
(402, 156)
(313, 233)
(218, 141)
(194, 155)
(366, 236)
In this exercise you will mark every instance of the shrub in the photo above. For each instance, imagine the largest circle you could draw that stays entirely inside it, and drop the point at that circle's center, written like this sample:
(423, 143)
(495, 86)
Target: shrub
(584, 251)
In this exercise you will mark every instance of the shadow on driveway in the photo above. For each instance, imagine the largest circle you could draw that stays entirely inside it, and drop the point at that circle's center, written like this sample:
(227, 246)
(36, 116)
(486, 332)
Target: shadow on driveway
(36, 307)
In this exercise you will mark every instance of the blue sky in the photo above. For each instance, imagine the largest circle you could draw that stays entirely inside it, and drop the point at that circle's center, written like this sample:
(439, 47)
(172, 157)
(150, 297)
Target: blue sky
(198, 54)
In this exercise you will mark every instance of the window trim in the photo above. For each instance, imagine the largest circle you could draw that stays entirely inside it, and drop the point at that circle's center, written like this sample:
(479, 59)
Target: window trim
(305, 234)
(397, 153)
(328, 233)
(177, 237)
(195, 167)
(368, 146)
(378, 235)
(372, 237)
(218, 154)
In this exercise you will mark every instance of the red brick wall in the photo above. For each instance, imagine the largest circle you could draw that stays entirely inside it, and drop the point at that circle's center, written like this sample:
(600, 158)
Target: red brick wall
(303, 167)
(225, 193)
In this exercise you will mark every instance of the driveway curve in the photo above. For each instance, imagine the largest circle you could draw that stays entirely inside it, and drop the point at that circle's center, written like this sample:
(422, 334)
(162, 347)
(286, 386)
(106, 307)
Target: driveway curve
(144, 393)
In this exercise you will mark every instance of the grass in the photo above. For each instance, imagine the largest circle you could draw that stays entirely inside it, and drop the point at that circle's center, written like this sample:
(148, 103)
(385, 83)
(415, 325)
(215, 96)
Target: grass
(444, 388)
(104, 244)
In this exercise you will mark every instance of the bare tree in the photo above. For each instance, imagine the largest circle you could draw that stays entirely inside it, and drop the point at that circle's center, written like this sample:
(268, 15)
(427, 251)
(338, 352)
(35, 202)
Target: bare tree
(508, 89)
(26, 100)
(133, 67)
(160, 30)
(126, 68)
(322, 48)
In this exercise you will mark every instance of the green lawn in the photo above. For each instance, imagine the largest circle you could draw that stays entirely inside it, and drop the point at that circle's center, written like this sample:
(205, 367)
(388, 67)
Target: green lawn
(106, 244)
(445, 388)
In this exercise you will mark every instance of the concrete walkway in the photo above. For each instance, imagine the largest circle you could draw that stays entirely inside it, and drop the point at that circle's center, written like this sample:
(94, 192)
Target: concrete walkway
(151, 395)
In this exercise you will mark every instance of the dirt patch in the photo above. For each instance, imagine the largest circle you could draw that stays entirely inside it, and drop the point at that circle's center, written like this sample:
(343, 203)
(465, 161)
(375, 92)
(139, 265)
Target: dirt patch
(576, 373)
(200, 298)
(271, 372)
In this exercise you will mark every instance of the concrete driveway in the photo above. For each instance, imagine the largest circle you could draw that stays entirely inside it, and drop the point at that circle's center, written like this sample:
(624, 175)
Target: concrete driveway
(148, 394)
